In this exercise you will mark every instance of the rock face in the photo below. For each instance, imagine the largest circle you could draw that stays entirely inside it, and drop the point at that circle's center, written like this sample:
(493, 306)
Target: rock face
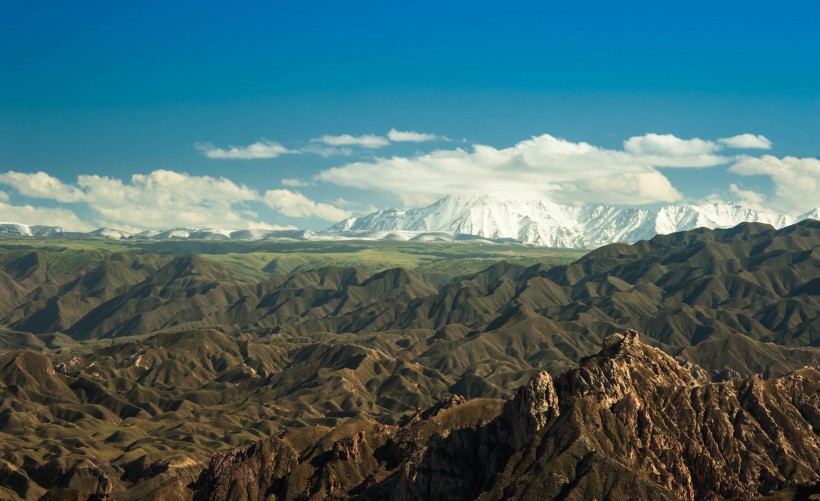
(250, 473)
(630, 422)
(534, 406)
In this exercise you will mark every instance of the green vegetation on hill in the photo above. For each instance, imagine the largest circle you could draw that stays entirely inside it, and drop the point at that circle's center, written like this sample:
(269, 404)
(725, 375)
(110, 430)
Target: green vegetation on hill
(436, 262)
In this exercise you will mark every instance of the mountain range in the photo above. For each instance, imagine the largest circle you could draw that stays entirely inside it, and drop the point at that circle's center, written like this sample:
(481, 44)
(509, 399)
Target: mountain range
(550, 224)
(475, 219)
(156, 376)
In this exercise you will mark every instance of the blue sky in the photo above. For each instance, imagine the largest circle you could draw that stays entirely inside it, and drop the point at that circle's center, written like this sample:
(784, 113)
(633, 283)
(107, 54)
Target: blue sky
(113, 113)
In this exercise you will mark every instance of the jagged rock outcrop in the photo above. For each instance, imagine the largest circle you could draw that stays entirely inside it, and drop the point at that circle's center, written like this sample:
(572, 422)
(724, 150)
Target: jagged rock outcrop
(628, 422)
(633, 413)
(251, 473)
(535, 404)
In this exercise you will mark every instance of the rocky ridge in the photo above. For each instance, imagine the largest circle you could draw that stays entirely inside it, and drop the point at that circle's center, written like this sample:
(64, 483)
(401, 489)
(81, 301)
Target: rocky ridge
(628, 421)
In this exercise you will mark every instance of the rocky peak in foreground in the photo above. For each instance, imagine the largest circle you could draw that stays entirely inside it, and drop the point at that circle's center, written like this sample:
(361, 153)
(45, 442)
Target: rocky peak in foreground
(629, 422)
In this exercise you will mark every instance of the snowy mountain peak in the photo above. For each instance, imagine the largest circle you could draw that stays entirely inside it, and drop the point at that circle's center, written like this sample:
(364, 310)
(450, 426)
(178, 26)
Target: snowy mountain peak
(26, 230)
(544, 222)
(812, 214)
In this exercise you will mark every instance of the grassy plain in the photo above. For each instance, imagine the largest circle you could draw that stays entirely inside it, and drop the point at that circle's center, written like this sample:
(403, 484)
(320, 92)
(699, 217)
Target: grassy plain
(436, 262)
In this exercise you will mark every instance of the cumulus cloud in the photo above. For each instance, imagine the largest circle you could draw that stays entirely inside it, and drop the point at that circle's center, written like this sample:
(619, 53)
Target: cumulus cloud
(365, 141)
(410, 136)
(46, 216)
(41, 185)
(747, 141)
(543, 166)
(259, 149)
(294, 204)
(630, 188)
(161, 199)
(796, 180)
(666, 150)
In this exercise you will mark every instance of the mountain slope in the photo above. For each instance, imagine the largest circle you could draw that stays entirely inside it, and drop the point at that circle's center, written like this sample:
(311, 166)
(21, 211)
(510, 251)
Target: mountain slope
(159, 362)
(546, 223)
(630, 422)
(681, 290)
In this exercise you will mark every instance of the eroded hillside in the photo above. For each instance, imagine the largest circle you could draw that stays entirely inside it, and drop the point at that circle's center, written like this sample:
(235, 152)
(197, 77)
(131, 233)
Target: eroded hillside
(134, 369)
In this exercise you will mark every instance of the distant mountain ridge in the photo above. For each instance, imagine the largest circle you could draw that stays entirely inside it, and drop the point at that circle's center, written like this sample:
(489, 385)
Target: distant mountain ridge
(25, 230)
(543, 222)
(475, 218)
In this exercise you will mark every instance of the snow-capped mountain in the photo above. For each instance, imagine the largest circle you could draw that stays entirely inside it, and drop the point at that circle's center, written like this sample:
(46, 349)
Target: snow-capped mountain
(109, 233)
(12, 230)
(543, 222)
(26, 230)
(473, 219)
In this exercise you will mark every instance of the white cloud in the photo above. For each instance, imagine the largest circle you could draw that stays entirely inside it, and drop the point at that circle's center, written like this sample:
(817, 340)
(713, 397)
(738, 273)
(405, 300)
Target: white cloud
(294, 204)
(294, 183)
(327, 151)
(355, 207)
(666, 150)
(365, 141)
(748, 198)
(260, 149)
(748, 141)
(41, 185)
(630, 188)
(46, 216)
(543, 166)
(796, 180)
(161, 199)
(410, 136)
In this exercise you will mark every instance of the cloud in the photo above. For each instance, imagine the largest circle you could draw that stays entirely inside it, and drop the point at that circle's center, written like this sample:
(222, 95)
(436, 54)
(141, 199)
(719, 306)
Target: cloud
(327, 151)
(294, 183)
(666, 150)
(161, 199)
(46, 216)
(410, 136)
(796, 180)
(630, 188)
(294, 204)
(543, 166)
(325, 146)
(365, 141)
(747, 141)
(260, 149)
(41, 185)
(748, 198)
(356, 207)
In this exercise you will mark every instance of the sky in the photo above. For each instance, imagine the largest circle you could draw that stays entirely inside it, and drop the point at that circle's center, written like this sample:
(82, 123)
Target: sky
(138, 115)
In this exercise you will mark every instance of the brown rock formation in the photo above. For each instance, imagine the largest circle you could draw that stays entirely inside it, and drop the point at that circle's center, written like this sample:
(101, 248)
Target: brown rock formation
(251, 473)
(628, 422)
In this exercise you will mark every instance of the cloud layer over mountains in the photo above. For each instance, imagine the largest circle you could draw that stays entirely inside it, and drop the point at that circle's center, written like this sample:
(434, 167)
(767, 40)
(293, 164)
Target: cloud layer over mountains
(545, 166)
(541, 167)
